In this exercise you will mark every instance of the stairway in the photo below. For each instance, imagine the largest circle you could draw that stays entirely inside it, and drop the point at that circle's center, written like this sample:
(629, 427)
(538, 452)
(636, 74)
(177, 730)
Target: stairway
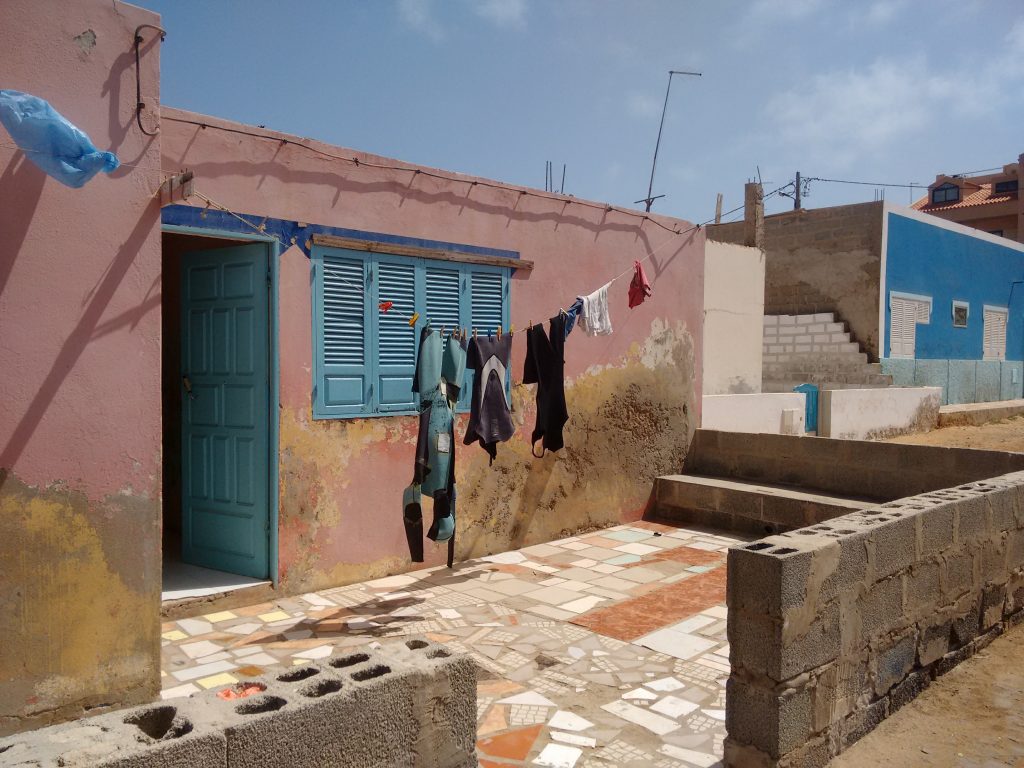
(815, 349)
(754, 484)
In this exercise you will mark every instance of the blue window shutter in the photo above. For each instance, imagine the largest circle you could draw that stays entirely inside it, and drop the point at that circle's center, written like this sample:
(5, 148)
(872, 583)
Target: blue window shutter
(487, 299)
(399, 281)
(342, 363)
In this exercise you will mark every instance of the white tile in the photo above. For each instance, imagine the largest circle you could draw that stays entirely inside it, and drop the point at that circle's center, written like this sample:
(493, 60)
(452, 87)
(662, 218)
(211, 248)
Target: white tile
(243, 629)
(707, 547)
(717, 611)
(675, 643)
(203, 670)
(576, 653)
(701, 759)
(179, 691)
(606, 568)
(717, 714)
(567, 721)
(551, 612)
(584, 563)
(320, 652)
(505, 558)
(392, 582)
(552, 581)
(692, 624)
(665, 684)
(652, 722)
(195, 626)
(531, 698)
(673, 706)
(639, 694)
(246, 651)
(318, 600)
(220, 656)
(449, 613)
(261, 659)
(575, 545)
(582, 605)
(574, 738)
(558, 756)
(637, 549)
(199, 649)
(539, 567)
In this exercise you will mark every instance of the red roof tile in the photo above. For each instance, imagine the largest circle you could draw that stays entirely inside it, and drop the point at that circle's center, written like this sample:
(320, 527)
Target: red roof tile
(969, 198)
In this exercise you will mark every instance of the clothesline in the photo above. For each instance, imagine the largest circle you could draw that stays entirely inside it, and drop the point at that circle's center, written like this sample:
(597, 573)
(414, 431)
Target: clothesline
(415, 316)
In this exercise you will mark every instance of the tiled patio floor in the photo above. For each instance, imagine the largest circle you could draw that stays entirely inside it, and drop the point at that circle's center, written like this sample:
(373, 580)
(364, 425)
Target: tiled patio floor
(607, 649)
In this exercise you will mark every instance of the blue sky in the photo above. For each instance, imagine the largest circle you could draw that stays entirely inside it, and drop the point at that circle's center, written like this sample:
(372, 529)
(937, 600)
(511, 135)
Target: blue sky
(876, 90)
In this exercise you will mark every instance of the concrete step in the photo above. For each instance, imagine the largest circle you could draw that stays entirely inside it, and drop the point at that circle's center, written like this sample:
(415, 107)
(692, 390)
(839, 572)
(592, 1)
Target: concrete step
(742, 505)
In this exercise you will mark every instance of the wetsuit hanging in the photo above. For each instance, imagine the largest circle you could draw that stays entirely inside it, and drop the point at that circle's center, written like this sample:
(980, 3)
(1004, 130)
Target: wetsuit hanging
(490, 418)
(545, 367)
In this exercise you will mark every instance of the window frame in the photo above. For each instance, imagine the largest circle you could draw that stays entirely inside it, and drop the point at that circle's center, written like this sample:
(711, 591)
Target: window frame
(945, 189)
(922, 315)
(965, 305)
(371, 406)
(1009, 187)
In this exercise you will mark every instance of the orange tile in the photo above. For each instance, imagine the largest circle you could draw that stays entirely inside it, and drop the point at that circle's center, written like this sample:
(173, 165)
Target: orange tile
(250, 671)
(485, 763)
(495, 720)
(514, 745)
(639, 616)
(690, 556)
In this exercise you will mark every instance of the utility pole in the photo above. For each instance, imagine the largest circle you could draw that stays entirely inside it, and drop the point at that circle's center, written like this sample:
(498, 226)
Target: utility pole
(796, 198)
(648, 200)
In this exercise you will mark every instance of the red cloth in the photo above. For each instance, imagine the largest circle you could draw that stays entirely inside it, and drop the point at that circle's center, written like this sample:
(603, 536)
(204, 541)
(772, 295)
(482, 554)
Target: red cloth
(639, 288)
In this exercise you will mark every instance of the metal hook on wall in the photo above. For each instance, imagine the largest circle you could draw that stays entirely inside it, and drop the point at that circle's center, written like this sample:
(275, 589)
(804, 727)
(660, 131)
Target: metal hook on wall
(139, 103)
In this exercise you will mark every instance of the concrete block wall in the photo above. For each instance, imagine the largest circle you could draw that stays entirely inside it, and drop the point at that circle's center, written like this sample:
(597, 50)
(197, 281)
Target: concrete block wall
(872, 414)
(411, 703)
(962, 381)
(834, 627)
(816, 349)
(823, 260)
(852, 468)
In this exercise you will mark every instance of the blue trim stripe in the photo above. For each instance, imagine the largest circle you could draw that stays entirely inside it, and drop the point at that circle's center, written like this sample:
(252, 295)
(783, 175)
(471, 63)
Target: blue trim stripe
(211, 218)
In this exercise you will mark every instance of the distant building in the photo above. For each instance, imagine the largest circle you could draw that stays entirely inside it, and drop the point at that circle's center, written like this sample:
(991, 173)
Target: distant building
(989, 202)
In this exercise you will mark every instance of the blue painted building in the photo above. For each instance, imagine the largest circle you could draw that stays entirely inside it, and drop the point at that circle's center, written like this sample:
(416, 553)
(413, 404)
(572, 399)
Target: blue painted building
(952, 308)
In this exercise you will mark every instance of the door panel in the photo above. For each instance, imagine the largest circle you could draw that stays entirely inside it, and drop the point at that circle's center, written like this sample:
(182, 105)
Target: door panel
(225, 412)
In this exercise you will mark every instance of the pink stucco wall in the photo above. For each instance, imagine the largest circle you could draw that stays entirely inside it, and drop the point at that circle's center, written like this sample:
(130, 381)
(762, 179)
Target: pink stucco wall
(342, 480)
(79, 269)
(80, 376)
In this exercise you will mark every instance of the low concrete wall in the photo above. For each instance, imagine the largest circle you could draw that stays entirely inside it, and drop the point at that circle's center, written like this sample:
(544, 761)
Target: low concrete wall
(976, 414)
(854, 468)
(834, 627)
(873, 414)
(733, 318)
(411, 703)
(962, 381)
(765, 412)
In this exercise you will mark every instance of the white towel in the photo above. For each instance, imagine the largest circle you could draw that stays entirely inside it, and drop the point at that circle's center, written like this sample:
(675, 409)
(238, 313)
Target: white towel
(595, 318)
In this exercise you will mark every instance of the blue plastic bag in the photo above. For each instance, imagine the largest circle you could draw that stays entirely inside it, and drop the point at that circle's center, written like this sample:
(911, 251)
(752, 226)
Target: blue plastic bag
(46, 137)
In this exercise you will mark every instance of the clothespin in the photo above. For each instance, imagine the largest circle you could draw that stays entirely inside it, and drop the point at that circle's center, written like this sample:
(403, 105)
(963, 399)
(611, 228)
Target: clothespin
(512, 330)
(499, 333)
(474, 333)
(414, 318)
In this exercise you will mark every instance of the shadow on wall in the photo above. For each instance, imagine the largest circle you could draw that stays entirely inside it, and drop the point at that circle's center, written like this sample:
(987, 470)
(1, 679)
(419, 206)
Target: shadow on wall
(21, 186)
(407, 190)
(87, 329)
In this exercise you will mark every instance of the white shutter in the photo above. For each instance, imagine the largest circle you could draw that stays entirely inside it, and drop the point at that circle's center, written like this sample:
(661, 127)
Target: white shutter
(995, 334)
(902, 327)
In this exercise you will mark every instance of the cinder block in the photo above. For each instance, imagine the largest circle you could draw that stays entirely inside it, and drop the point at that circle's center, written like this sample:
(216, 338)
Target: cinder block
(893, 662)
(787, 320)
(772, 723)
(965, 622)
(923, 588)
(813, 754)
(881, 610)
(993, 559)
(863, 721)
(992, 600)
(909, 689)
(933, 642)
(936, 529)
(958, 574)
(1002, 509)
(768, 584)
(951, 659)
(972, 519)
(895, 546)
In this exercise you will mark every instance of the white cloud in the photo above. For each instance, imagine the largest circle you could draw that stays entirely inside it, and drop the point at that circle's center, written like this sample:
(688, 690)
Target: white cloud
(643, 105)
(419, 15)
(846, 116)
(502, 13)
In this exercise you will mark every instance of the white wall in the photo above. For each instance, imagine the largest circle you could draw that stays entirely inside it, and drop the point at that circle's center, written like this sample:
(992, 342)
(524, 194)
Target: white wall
(763, 412)
(867, 414)
(733, 318)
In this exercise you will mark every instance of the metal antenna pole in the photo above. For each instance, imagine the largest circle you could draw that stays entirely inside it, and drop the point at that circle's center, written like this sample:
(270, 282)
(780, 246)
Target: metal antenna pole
(648, 200)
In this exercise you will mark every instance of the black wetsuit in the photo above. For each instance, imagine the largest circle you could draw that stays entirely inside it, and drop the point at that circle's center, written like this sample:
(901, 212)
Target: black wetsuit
(545, 367)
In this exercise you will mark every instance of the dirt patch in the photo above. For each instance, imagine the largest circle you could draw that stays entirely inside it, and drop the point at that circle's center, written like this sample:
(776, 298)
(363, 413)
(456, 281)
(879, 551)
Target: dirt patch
(1006, 435)
(972, 716)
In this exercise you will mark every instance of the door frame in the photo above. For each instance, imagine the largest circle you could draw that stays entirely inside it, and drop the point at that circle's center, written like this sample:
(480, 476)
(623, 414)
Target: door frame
(273, 246)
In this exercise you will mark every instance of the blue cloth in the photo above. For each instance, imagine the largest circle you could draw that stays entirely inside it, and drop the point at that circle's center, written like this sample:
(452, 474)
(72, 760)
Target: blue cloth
(51, 142)
(570, 316)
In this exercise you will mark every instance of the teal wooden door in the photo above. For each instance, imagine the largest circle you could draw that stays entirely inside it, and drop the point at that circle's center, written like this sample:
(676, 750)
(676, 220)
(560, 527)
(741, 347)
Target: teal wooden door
(224, 414)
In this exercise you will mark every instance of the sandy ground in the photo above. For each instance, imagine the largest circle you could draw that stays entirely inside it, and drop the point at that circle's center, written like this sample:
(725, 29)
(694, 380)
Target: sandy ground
(1006, 435)
(972, 717)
